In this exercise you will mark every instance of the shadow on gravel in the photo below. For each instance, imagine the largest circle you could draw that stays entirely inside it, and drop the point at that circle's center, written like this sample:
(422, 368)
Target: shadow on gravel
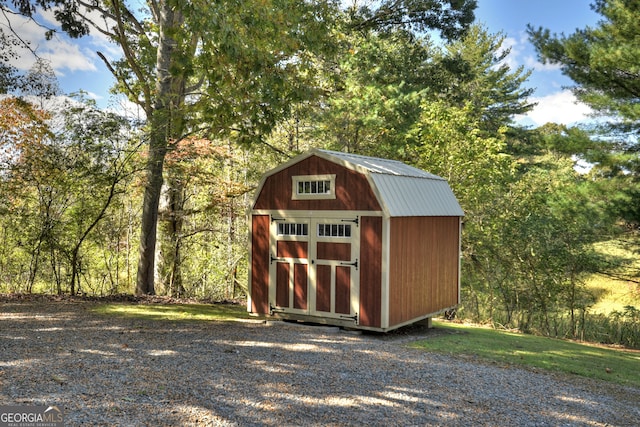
(117, 371)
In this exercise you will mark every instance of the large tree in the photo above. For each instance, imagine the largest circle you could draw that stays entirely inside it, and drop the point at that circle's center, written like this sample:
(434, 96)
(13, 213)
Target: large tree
(604, 63)
(198, 67)
(225, 69)
(475, 73)
(450, 17)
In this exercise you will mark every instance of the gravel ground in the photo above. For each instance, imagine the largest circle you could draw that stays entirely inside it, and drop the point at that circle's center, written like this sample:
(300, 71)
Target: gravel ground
(123, 372)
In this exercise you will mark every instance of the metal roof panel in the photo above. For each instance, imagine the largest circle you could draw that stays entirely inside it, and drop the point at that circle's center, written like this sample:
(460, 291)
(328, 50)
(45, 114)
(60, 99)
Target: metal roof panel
(411, 196)
(379, 165)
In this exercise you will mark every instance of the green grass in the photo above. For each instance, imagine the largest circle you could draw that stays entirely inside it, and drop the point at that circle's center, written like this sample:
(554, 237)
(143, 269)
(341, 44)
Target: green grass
(506, 348)
(224, 312)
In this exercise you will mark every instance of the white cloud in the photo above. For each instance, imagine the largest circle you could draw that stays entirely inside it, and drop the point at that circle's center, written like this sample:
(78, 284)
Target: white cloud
(64, 53)
(66, 56)
(530, 62)
(122, 106)
(520, 47)
(560, 107)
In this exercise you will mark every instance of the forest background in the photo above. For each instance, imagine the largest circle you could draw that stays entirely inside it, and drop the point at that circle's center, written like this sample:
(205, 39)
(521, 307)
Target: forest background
(95, 202)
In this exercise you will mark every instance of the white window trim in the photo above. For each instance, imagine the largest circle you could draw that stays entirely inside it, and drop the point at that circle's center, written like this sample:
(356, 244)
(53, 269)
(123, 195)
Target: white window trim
(303, 178)
(299, 226)
(331, 236)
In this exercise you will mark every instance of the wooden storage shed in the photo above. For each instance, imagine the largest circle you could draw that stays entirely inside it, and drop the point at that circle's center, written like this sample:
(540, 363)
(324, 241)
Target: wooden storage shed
(355, 241)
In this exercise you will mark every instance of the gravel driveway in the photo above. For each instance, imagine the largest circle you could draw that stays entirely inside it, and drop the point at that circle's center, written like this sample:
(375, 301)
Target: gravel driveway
(115, 371)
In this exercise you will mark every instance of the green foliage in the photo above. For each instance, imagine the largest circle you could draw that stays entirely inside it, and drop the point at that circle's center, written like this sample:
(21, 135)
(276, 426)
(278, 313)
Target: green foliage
(448, 141)
(616, 328)
(60, 188)
(207, 256)
(476, 76)
(603, 61)
(386, 78)
(540, 251)
(382, 81)
(529, 253)
(450, 17)
(628, 326)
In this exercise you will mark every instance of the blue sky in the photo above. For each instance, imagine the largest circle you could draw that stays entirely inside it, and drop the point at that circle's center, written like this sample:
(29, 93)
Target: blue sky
(79, 68)
(510, 17)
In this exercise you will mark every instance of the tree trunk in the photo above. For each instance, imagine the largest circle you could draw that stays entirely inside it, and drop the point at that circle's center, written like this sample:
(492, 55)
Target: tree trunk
(168, 97)
(172, 220)
(146, 263)
(74, 271)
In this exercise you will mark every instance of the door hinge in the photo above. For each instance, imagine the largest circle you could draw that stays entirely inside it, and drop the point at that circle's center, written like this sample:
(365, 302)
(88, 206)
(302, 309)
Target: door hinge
(356, 221)
(272, 258)
(273, 309)
(354, 318)
(354, 264)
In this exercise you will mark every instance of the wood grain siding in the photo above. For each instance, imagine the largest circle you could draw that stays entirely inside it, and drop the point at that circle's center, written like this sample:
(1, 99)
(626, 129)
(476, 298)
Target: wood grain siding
(260, 264)
(292, 249)
(334, 251)
(423, 266)
(370, 271)
(323, 288)
(282, 284)
(300, 286)
(343, 290)
(353, 191)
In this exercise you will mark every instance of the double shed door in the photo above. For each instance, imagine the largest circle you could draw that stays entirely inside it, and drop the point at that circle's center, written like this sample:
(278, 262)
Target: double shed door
(314, 266)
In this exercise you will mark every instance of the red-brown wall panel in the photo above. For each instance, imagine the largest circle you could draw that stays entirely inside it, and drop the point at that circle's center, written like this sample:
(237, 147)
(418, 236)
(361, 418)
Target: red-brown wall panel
(323, 288)
(260, 264)
(334, 251)
(353, 191)
(300, 286)
(343, 290)
(423, 266)
(292, 249)
(282, 284)
(370, 271)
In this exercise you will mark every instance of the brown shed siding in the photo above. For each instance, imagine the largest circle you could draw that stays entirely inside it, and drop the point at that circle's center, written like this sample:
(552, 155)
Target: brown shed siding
(334, 251)
(300, 282)
(343, 290)
(370, 271)
(423, 266)
(282, 284)
(323, 288)
(260, 264)
(292, 249)
(353, 191)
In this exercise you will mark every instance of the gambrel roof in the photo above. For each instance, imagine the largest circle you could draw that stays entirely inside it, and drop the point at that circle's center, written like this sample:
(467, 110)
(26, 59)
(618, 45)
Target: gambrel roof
(402, 190)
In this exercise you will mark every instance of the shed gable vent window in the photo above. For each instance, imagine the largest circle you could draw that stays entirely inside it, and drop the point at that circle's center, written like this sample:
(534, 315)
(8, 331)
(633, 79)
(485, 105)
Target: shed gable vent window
(291, 229)
(334, 230)
(314, 187)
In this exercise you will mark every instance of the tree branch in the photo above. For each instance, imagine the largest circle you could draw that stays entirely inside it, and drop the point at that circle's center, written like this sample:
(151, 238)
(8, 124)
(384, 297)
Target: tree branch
(130, 57)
